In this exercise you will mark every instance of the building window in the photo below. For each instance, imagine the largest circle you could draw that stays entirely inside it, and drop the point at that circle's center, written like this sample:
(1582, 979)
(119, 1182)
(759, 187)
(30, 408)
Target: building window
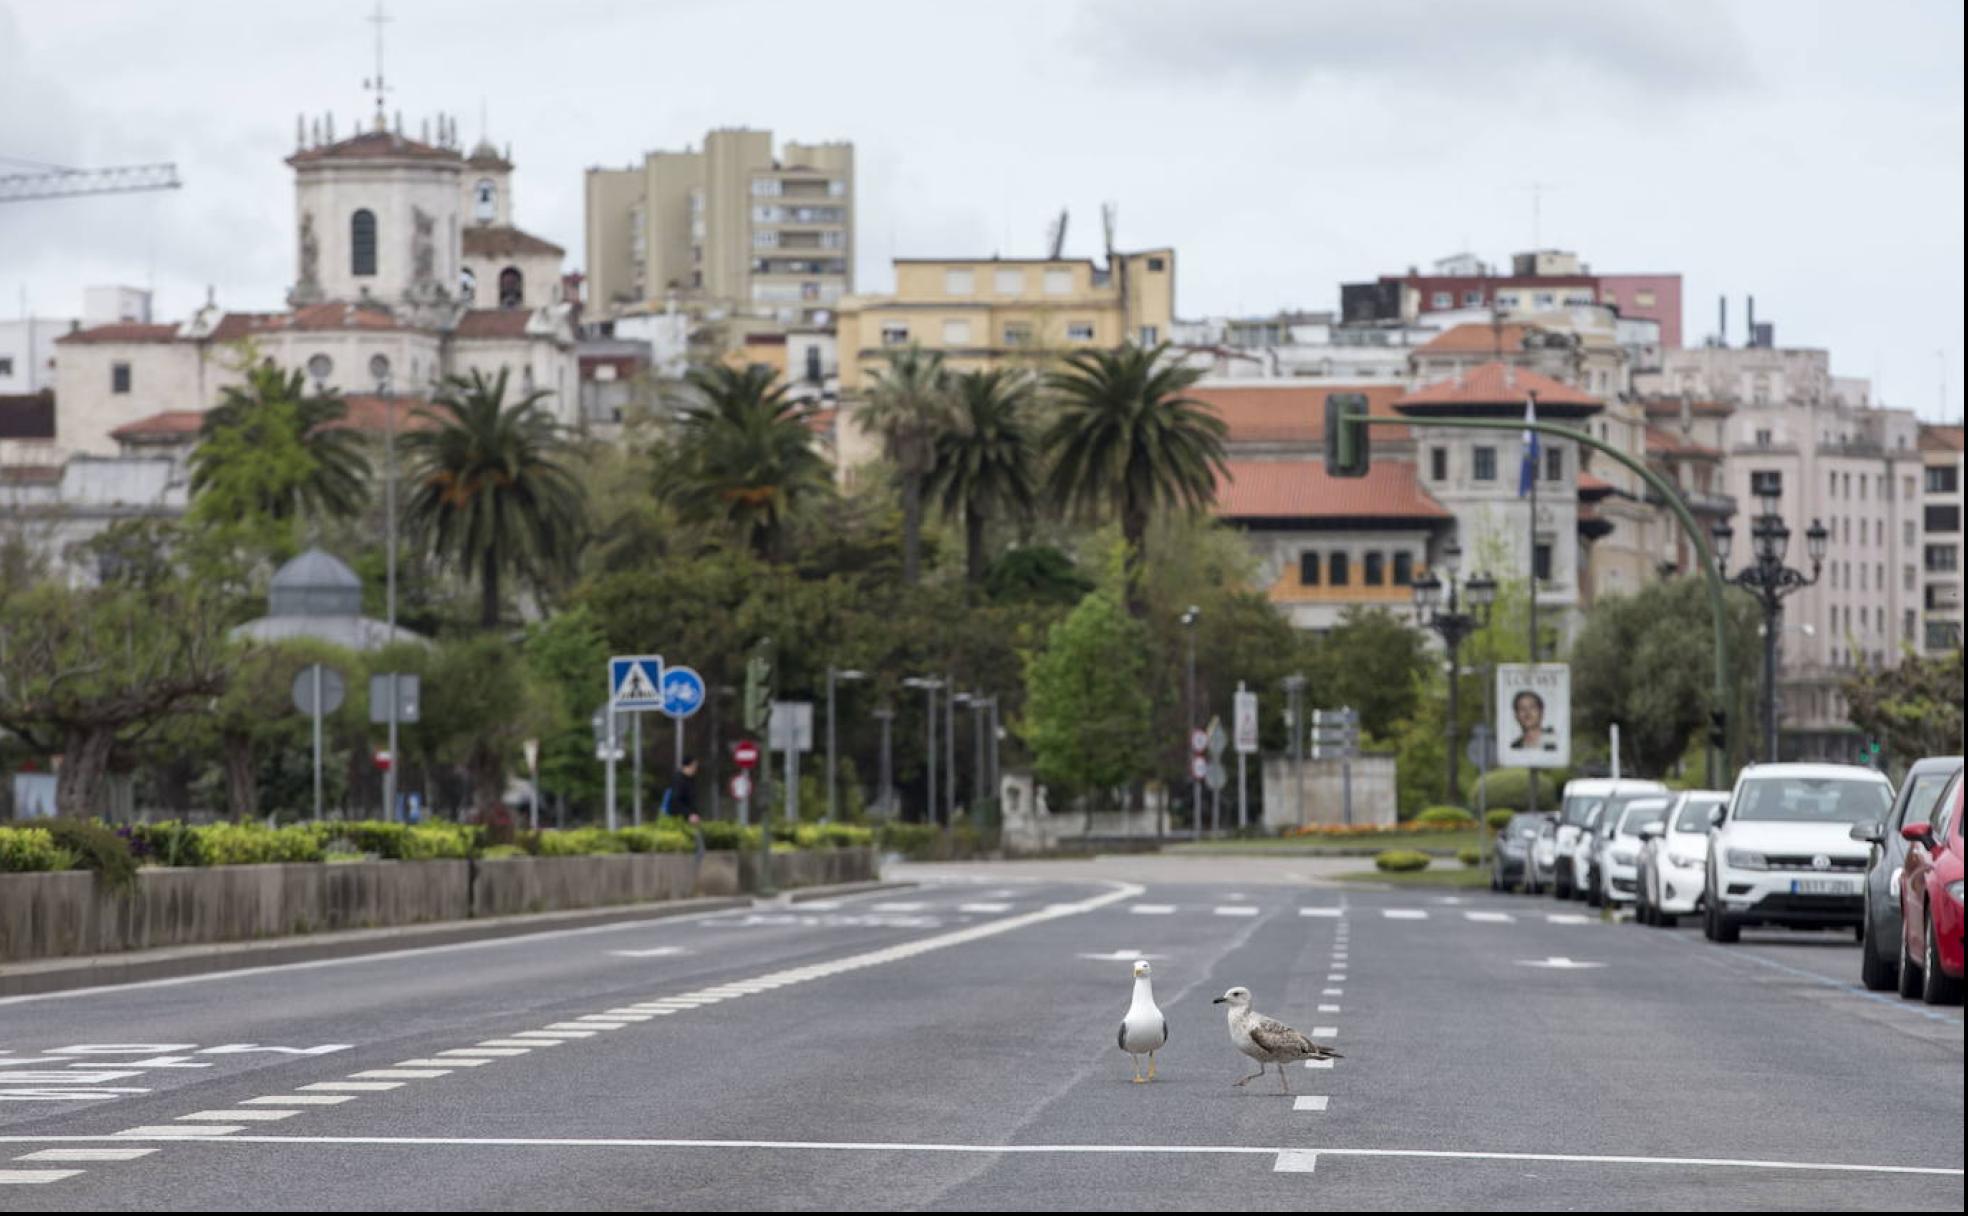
(1542, 299)
(1541, 562)
(895, 335)
(1438, 464)
(1944, 519)
(1059, 282)
(1008, 282)
(1506, 299)
(485, 204)
(1157, 265)
(467, 284)
(1471, 299)
(1942, 479)
(959, 283)
(1763, 438)
(766, 187)
(1941, 559)
(1554, 464)
(1486, 464)
(1404, 569)
(1341, 575)
(765, 238)
(1079, 331)
(320, 367)
(1442, 299)
(1373, 572)
(1308, 568)
(1645, 299)
(6, 367)
(119, 377)
(1150, 335)
(1017, 333)
(1906, 533)
(362, 243)
(814, 374)
(956, 333)
(512, 288)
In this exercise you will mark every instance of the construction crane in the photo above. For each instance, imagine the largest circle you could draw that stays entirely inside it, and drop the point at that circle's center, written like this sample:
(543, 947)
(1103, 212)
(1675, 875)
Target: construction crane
(61, 181)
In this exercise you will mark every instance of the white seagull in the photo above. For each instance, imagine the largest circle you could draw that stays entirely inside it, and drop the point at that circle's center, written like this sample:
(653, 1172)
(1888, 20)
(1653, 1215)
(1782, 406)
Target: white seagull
(1267, 1040)
(1144, 1029)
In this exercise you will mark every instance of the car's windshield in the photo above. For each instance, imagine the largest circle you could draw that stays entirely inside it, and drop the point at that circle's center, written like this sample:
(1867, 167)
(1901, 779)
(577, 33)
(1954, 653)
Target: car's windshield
(1921, 794)
(1523, 825)
(1640, 813)
(1694, 814)
(1579, 808)
(1813, 800)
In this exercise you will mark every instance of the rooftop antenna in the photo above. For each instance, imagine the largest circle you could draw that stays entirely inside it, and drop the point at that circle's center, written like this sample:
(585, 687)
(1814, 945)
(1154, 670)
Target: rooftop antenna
(379, 20)
(1110, 215)
(1056, 236)
(1537, 213)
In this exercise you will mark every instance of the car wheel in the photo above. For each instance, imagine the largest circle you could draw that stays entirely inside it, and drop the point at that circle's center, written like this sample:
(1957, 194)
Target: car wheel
(1708, 922)
(1665, 920)
(1909, 979)
(1876, 973)
(1595, 895)
(1937, 987)
(1858, 934)
(1560, 889)
(1717, 926)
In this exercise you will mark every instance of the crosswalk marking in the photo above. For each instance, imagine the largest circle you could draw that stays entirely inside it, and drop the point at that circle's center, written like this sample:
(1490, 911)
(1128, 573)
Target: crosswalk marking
(1332, 912)
(1325, 1032)
(1490, 918)
(1152, 909)
(34, 1177)
(1235, 910)
(984, 908)
(1404, 914)
(239, 1116)
(1309, 1102)
(1567, 918)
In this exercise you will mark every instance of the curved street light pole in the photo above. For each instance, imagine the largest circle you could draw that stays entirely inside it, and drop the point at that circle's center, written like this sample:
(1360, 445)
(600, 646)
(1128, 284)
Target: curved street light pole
(1771, 582)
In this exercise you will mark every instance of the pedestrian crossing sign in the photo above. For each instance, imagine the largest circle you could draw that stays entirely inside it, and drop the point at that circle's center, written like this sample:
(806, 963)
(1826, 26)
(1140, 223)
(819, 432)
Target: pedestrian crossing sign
(635, 682)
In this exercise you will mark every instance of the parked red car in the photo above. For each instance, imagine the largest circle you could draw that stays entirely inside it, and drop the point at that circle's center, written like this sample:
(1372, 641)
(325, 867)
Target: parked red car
(1930, 905)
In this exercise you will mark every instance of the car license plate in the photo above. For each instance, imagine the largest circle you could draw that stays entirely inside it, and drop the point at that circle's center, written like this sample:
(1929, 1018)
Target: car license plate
(1823, 886)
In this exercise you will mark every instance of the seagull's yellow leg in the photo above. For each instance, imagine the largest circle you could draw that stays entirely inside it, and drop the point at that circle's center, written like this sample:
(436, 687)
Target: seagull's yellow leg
(1138, 1078)
(1151, 1066)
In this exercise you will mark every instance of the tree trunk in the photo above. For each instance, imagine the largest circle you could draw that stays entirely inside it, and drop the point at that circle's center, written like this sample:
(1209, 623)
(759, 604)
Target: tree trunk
(488, 781)
(488, 613)
(974, 545)
(242, 792)
(1134, 529)
(912, 514)
(85, 763)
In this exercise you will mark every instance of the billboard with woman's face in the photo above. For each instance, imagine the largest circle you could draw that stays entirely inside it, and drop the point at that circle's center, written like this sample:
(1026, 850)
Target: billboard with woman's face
(1534, 708)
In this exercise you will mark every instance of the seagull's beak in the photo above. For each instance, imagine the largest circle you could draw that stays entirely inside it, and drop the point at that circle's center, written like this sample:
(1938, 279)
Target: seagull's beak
(1217, 1001)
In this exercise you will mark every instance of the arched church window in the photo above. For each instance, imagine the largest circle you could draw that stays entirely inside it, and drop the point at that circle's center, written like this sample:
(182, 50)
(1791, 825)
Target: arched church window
(467, 284)
(320, 367)
(485, 200)
(362, 242)
(512, 288)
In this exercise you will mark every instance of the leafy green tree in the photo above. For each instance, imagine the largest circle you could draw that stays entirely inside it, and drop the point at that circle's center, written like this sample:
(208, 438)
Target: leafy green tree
(985, 457)
(1088, 717)
(569, 652)
(483, 699)
(744, 456)
(1126, 439)
(1912, 710)
(1376, 663)
(908, 404)
(490, 487)
(272, 406)
(1037, 574)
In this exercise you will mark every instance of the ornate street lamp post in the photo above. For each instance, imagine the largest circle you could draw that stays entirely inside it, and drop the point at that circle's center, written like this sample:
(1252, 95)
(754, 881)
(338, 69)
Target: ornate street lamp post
(1438, 605)
(1770, 581)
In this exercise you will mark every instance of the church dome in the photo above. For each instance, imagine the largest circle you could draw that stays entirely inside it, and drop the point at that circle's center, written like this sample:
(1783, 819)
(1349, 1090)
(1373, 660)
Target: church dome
(315, 584)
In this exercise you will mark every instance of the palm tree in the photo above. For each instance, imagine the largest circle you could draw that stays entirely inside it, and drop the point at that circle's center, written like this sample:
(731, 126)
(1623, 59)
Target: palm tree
(984, 457)
(1124, 436)
(272, 410)
(745, 455)
(489, 486)
(907, 406)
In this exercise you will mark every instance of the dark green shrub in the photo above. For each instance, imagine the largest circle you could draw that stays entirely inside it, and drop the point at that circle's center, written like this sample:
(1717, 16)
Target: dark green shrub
(1510, 788)
(28, 850)
(1469, 857)
(1447, 816)
(1499, 819)
(166, 843)
(1400, 861)
(96, 847)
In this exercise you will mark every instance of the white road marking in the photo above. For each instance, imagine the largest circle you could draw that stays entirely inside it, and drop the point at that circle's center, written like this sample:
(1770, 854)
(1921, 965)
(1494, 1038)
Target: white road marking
(1325, 1032)
(1404, 913)
(1309, 1102)
(179, 1131)
(516, 1044)
(1120, 956)
(991, 907)
(652, 952)
(1152, 909)
(1448, 899)
(1332, 992)
(239, 1116)
(399, 1074)
(1332, 912)
(458, 1062)
(901, 907)
(1328, 1009)
(612, 1019)
(300, 1100)
(1557, 964)
(1318, 1063)
(1567, 918)
(819, 905)
(581, 1027)
(1235, 910)
(87, 1154)
(555, 1035)
(493, 1052)
(1335, 977)
(1296, 1161)
(1339, 956)
(360, 1087)
(1492, 918)
(34, 1177)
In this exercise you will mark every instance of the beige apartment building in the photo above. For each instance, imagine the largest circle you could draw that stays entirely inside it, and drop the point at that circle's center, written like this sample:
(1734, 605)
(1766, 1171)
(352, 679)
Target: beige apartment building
(991, 312)
(1940, 453)
(728, 226)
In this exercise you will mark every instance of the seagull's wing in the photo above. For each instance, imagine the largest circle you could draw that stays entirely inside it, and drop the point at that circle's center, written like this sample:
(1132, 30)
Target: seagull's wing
(1164, 1032)
(1279, 1039)
(1120, 1039)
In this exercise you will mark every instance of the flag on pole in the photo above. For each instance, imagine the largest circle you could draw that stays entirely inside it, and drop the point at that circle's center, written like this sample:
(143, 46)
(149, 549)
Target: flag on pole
(1527, 472)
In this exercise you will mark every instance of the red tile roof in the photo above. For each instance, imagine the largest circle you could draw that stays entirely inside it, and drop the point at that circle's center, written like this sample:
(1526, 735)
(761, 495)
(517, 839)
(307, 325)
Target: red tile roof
(494, 323)
(122, 332)
(1940, 438)
(1670, 407)
(374, 145)
(1667, 443)
(1291, 413)
(312, 318)
(1300, 489)
(171, 426)
(1476, 339)
(1499, 385)
(500, 241)
(1592, 486)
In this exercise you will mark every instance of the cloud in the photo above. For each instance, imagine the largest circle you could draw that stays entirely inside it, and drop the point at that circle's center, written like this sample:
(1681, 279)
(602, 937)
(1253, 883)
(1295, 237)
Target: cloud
(1468, 50)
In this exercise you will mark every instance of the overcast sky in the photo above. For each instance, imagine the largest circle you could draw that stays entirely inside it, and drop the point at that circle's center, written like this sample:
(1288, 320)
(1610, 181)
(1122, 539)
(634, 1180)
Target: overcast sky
(1809, 153)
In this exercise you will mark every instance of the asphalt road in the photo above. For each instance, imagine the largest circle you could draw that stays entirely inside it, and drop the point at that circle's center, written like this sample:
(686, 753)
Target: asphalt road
(951, 1047)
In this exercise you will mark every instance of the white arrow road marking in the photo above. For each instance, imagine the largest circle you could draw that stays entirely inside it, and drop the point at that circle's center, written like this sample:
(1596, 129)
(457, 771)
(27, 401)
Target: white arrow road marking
(1557, 964)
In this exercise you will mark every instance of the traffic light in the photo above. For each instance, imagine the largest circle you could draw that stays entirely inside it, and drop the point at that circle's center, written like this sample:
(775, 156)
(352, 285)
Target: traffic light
(1718, 729)
(758, 686)
(1870, 753)
(1348, 452)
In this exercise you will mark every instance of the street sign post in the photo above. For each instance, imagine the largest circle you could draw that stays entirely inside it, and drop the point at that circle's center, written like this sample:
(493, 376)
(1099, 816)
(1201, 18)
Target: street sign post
(791, 732)
(683, 695)
(635, 682)
(1336, 736)
(409, 690)
(745, 754)
(1246, 717)
(532, 749)
(318, 690)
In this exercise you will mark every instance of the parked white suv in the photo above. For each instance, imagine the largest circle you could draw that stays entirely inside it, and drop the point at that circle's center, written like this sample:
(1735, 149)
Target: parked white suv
(1578, 806)
(1674, 859)
(1782, 852)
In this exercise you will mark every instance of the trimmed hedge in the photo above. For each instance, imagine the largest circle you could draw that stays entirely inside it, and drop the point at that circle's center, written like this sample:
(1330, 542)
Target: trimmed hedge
(28, 850)
(1469, 857)
(96, 847)
(1499, 819)
(1446, 816)
(1400, 861)
(1510, 788)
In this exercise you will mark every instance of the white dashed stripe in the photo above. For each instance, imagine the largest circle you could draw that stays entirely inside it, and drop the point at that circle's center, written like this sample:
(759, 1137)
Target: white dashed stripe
(1332, 912)
(1328, 1009)
(513, 1044)
(1489, 918)
(1153, 909)
(1404, 914)
(361, 1087)
(1235, 910)
(239, 1116)
(180, 1131)
(399, 1074)
(1325, 1032)
(34, 1177)
(460, 1062)
(1309, 1102)
(87, 1154)
(300, 1100)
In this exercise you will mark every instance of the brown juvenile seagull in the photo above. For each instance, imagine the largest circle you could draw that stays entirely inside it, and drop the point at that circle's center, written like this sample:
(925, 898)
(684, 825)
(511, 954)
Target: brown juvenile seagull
(1267, 1040)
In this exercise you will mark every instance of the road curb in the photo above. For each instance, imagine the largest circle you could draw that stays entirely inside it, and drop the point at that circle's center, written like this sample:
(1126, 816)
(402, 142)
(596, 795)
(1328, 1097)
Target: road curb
(59, 975)
(805, 894)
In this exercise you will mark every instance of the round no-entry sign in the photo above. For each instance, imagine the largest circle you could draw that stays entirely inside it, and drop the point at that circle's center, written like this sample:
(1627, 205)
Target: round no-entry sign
(1199, 767)
(1198, 741)
(741, 786)
(745, 754)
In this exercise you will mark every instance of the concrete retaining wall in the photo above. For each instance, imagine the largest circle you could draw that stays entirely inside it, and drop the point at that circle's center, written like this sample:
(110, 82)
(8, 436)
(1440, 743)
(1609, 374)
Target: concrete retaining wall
(45, 916)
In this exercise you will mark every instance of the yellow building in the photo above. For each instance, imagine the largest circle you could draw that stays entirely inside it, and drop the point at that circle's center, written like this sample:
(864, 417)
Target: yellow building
(991, 312)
